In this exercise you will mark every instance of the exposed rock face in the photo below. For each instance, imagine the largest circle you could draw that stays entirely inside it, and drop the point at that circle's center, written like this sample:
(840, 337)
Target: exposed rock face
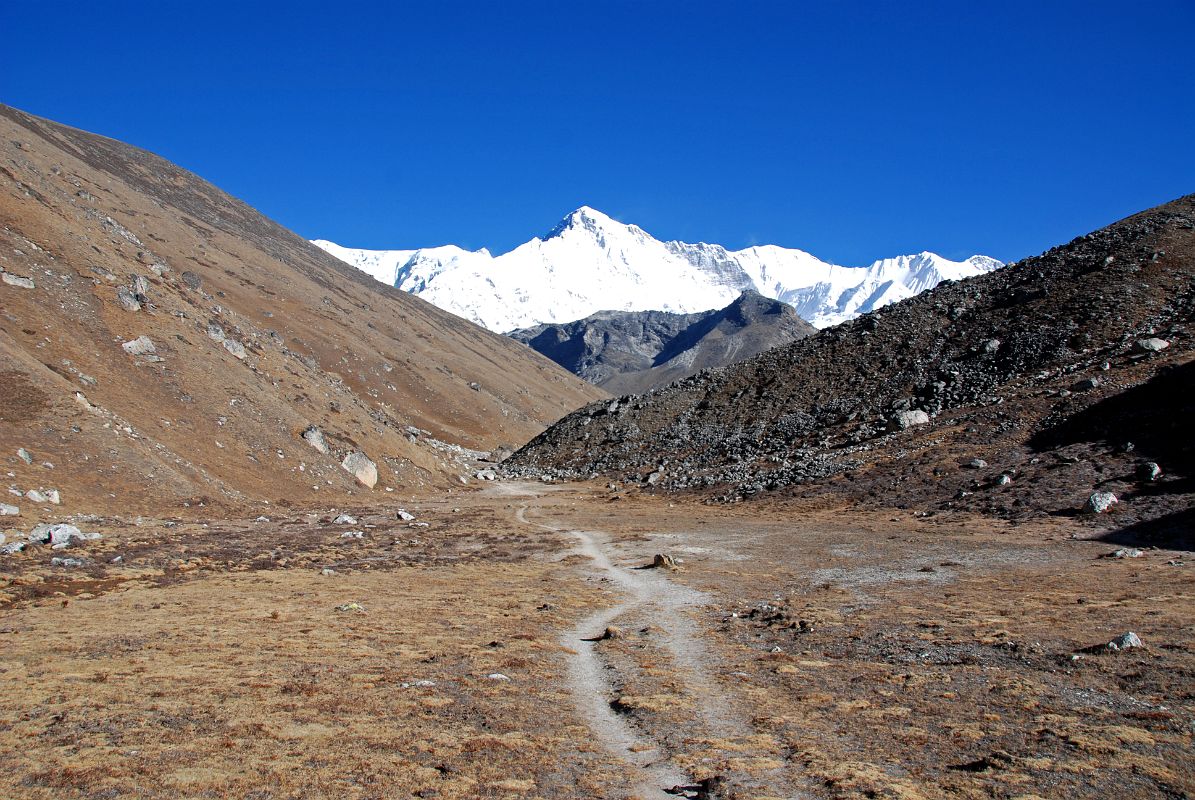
(636, 351)
(1004, 364)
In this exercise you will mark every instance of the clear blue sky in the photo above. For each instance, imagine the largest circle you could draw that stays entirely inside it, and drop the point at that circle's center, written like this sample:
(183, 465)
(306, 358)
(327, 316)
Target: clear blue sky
(853, 130)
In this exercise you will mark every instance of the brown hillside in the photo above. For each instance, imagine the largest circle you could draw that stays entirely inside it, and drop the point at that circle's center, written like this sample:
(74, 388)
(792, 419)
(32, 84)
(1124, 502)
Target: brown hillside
(88, 220)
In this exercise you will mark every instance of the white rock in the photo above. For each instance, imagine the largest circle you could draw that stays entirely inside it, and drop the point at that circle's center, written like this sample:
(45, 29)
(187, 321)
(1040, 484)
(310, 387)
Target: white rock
(23, 454)
(404, 515)
(345, 519)
(236, 348)
(486, 475)
(1125, 641)
(361, 467)
(1151, 345)
(59, 534)
(139, 347)
(127, 300)
(908, 419)
(497, 676)
(16, 280)
(215, 332)
(8, 511)
(315, 437)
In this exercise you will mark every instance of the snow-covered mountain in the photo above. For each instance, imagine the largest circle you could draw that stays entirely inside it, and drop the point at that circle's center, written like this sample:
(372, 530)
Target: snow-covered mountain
(590, 262)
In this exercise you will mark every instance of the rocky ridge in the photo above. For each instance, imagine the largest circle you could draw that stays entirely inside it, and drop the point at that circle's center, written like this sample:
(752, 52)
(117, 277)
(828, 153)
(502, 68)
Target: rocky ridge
(1017, 392)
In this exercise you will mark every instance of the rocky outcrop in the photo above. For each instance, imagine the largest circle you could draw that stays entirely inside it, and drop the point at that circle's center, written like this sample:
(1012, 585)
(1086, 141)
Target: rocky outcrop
(636, 351)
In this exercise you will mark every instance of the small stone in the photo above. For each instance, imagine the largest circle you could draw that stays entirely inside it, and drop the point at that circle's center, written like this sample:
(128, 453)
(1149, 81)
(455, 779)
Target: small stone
(497, 676)
(405, 515)
(1126, 641)
(355, 608)
(192, 281)
(23, 454)
(1100, 503)
(1085, 385)
(11, 547)
(977, 463)
(127, 300)
(486, 475)
(327, 571)
(44, 496)
(59, 561)
(1151, 345)
(1148, 471)
(9, 511)
(215, 332)
(140, 285)
(1124, 552)
(353, 535)
(663, 561)
(990, 346)
(1004, 480)
(345, 519)
(140, 346)
(361, 467)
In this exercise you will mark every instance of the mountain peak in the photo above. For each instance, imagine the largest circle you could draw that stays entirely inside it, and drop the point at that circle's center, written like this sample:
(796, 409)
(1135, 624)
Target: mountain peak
(587, 218)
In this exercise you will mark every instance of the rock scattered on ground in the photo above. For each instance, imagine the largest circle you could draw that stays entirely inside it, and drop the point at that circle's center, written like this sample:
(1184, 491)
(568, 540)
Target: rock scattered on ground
(141, 346)
(1100, 503)
(361, 467)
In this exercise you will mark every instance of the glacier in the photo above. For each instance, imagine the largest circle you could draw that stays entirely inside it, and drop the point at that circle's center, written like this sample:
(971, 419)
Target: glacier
(590, 262)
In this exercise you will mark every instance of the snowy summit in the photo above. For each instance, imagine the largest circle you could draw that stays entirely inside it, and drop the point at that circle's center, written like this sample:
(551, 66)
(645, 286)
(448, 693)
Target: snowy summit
(590, 262)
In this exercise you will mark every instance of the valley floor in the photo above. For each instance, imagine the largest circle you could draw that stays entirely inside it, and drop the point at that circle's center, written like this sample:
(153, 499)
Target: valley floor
(811, 654)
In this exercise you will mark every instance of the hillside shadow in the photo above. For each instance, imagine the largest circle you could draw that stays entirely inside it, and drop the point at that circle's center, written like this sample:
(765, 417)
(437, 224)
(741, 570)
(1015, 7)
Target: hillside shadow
(1158, 417)
(1173, 532)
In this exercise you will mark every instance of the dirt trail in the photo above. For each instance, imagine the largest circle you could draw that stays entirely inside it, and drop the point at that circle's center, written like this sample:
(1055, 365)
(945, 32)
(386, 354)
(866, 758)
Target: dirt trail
(649, 598)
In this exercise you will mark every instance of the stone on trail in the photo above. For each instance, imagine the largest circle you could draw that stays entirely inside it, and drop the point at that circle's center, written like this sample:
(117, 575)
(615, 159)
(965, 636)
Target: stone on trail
(1100, 503)
(361, 467)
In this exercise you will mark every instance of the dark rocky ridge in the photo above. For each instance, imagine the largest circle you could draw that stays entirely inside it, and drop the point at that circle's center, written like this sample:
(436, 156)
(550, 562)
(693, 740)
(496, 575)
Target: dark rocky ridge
(996, 363)
(636, 351)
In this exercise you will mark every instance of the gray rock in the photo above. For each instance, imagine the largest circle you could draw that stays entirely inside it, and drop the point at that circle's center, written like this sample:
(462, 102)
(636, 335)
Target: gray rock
(140, 284)
(1124, 552)
(1085, 385)
(17, 280)
(215, 332)
(44, 496)
(361, 467)
(23, 454)
(1126, 641)
(990, 346)
(235, 348)
(501, 453)
(191, 280)
(909, 419)
(345, 519)
(11, 547)
(1150, 345)
(58, 534)
(405, 515)
(140, 346)
(655, 477)
(315, 437)
(9, 511)
(126, 299)
(1100, 503)
(486, 475)
(159, 269)
(1004, 480)
(1148, 471)
(58, 561)
(977, 463)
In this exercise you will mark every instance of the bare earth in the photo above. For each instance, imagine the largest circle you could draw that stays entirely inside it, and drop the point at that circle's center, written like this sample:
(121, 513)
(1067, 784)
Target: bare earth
(820, 654)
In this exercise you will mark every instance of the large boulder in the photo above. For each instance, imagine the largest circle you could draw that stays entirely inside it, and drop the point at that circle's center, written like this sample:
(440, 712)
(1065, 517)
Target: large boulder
(361, 467)
(908, 419)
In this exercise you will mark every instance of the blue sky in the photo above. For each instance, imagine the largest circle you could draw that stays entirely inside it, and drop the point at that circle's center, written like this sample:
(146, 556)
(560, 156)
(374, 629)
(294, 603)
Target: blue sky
(853, 130)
